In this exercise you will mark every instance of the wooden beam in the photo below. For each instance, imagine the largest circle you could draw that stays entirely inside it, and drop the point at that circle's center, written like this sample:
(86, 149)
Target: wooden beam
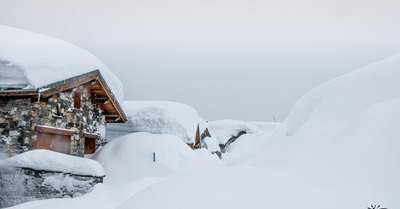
(111, 116)
(18, 94)
(111, 99)
(69, 86)
(89, 135)
(51, 130)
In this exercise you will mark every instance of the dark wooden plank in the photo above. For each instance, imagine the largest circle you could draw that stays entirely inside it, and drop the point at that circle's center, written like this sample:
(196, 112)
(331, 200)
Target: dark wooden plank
(54, 142)
(90, 145)
(51, 130)
(89, 135)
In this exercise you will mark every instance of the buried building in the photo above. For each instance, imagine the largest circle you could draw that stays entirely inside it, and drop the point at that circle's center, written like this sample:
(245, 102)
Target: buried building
(163, 117)
(52, 97)
(69, 116)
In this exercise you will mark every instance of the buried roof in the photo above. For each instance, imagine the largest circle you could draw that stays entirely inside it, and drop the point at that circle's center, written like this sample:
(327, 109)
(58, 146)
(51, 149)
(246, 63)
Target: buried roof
(32, 63)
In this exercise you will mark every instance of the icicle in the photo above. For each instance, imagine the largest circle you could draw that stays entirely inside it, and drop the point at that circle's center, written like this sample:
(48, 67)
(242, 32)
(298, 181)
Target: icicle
(38, 98)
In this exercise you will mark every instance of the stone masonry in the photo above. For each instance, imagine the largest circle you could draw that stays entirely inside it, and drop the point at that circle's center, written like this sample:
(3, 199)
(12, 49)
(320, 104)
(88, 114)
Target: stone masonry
(19, 118)
(19, 185)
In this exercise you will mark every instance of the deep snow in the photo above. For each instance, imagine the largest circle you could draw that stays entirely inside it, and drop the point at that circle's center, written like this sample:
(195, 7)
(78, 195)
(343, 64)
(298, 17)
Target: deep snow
(158, 117)
(46, 160)
(337, 149)
(223, 130)
(30, 60)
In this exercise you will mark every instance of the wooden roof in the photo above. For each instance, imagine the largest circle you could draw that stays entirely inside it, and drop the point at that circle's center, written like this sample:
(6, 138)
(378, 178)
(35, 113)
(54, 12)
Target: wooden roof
(96, 86)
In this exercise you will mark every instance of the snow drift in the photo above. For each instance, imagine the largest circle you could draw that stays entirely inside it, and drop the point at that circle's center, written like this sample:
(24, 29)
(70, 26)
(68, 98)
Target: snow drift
(343, 138)
(29, 60)
(130, 157)
(336, 101)
(158, 117)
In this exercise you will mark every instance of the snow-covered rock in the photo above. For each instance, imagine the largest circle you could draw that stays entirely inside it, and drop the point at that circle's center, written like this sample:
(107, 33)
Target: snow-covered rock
(45, 160)
(29, 60)
(158, 117)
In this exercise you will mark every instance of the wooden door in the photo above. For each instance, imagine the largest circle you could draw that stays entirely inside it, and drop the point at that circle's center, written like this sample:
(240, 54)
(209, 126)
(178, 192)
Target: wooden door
(58, 140)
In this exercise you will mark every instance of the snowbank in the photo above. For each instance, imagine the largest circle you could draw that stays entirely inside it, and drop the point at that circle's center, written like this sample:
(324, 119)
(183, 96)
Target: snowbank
(30, 60)
(343, 137)
(346, 96)
(223, 130)
(158, 117)
(267, 127)
(46, 160)
(130, 157)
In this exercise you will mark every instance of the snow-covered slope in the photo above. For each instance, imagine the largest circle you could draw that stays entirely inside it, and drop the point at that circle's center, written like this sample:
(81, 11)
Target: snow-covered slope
(343, 138)
(338, 149)
(158, 117)
(130, 157)
(31, 60)
(334, 102)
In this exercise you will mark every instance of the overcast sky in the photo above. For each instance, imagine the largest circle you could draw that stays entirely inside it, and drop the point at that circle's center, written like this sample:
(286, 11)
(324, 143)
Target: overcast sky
(230, 59)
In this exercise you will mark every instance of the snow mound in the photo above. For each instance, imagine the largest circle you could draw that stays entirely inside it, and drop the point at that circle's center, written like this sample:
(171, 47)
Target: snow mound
(232, 187)
(245, 147)
(130, 157)
(158, 117)
(267, 127)
(30, 60)
(347, 95)
(223, 130)
(343, 136)
(53, 161)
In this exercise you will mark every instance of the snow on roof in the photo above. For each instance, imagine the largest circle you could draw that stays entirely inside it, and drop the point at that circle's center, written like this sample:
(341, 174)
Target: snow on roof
(29, 61)
(53, 161)
(162, 117)
(223, 130)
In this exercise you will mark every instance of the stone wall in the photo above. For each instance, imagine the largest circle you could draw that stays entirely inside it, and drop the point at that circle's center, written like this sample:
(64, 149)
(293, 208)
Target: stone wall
(19, 185)
(19, 118)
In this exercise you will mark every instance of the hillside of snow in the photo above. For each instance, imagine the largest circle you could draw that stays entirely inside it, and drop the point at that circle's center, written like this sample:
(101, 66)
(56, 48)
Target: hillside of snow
(158, 117)
(30, 60)
(337, 149)
(343, 138)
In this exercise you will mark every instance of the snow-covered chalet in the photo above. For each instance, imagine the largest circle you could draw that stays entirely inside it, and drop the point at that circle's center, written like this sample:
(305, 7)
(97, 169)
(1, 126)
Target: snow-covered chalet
(53, 95)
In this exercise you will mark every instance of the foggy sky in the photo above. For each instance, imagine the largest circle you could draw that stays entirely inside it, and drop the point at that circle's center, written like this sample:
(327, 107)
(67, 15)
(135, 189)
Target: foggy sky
(237, 59)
